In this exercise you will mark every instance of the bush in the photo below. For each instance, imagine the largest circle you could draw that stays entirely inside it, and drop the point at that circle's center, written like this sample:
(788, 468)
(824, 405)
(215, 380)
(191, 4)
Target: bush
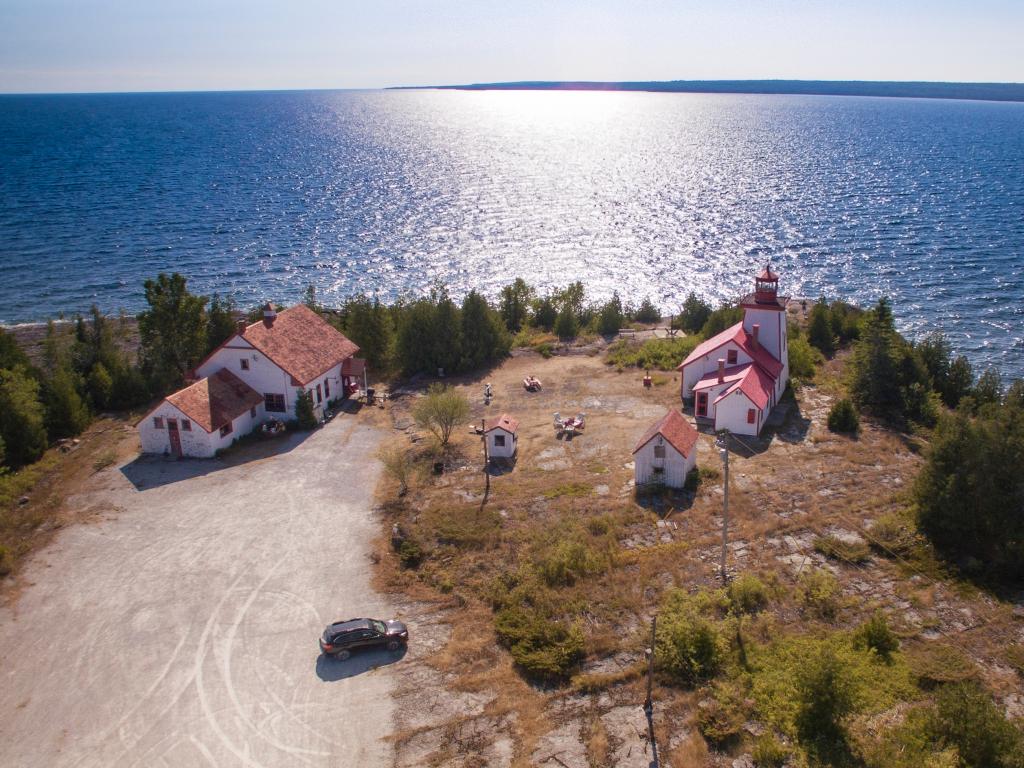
(769, 752)
(22, 424)
(825, 695)
(803, 359)
(305, 416)
(938, 663)
(819, 329)
(611, 319)
(567, 561)
(410, 554)
(6, 561)
(965, 717)
(747, 593)
(843, 417)
(440, 411)
(688, 644)
(721, 716)
(544, 647)
(876, 635)
(653, 354)
(819, 593)
(891, 536)
(837, 549)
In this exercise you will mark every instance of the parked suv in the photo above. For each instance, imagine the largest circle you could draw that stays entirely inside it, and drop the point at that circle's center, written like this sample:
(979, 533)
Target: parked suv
(342, 637)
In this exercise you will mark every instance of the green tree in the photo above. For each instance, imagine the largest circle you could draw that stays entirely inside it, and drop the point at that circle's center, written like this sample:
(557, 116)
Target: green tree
(825, 695)
(566, 325)
(724, 317)
(958, 383)
(819, 329)
(22, 420)
(11, 355)
(447, 337)
(989, 389)
(440, 411)
(571, 298)
(876, 635)
(368, 324)
(688, 644)
(647, 312)
(803, 358)
(414, 343)
(965, 717)
(484, 337)
(67, 414)
(514, 304)
(695, 313)
(172, 330)
(843, 417)
(545, 313)
(876, 374)
(611, 318)
(100, 386)
(220, 321)
(305, 414)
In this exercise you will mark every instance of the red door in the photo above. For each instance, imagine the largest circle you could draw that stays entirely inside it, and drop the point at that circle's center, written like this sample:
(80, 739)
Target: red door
(702, 403)
(172, 433)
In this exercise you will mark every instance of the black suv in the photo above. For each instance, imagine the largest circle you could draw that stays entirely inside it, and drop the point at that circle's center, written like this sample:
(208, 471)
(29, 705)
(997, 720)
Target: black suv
(342, 637)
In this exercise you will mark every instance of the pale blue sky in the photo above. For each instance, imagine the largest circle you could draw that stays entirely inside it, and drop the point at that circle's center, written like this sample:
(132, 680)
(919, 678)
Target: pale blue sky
(132, 45)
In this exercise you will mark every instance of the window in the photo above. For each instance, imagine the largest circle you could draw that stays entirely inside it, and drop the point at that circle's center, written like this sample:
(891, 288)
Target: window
(158, 422)
(225, 430)
(274, 403)
(499, 441)
(245, 364)
(319, 394)
(327, 388)
(659, 451)
(751, 415)
(186, 425)
(252, 412)
(732, 357)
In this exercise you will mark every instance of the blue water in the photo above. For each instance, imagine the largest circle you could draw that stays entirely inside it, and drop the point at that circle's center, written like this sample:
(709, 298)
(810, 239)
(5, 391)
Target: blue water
(256, 195)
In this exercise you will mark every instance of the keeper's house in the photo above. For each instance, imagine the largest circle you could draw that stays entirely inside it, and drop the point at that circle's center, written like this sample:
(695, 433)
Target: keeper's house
(737, 377)
(255, 375)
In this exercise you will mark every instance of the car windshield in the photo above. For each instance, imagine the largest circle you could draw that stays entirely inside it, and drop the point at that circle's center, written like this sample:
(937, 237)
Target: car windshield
(379, 626)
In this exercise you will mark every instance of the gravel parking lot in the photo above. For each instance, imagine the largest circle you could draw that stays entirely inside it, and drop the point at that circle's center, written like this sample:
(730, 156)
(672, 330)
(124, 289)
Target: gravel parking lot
(181, 627)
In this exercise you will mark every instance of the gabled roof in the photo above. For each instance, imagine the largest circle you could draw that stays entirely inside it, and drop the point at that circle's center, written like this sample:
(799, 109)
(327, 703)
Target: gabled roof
(216, 400)
(754, 383)
(741, 339)
(504, 421)
(731, 375)
(300, 342)
(674, 427)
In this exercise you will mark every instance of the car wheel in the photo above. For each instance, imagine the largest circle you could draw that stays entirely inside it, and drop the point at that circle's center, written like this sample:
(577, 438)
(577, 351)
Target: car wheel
(342, 655)
(393, 645)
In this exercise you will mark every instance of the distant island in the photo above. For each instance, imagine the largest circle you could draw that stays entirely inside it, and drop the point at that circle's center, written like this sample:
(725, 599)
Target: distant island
(910, 89)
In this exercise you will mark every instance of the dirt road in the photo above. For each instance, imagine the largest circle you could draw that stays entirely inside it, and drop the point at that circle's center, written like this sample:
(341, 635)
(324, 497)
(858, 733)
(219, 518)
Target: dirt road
(181, 628)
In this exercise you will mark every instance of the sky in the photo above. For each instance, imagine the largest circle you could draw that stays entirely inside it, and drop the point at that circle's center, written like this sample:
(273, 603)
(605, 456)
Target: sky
(157, 45)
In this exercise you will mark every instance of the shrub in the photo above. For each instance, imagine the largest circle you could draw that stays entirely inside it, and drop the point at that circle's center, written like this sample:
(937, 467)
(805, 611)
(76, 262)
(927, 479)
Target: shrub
(653, 354)
(545, 648)
(440, 411)
(397, 466)
(611, 318)
(876, 635)
(803, 359)
(819, 593)
(688, 644)
(692, 480)
(825, 695)
(965, 717)
(410, 553)
(721, 716)
(769, 752)
(843, 417)
(835, 548)
(106, 459)
(819, 329)
(891, 536)
(305, 416)
(567, 561)
(747, 593)
(937, 663)
(566, 324)
(21, 418)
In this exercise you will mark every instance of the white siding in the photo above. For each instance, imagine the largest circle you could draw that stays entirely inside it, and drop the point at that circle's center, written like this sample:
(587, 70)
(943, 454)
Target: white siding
(197, 442)
(501, 452)
(708, 364)
(676, 467)
(732, 415)
(772, 334)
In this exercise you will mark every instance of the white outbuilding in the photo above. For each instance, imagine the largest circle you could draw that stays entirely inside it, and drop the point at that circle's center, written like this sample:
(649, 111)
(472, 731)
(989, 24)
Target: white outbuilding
(502, 436)
(666, 452)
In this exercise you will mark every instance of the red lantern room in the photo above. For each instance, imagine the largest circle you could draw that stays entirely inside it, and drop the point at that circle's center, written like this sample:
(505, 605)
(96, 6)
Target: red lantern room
(766, 286)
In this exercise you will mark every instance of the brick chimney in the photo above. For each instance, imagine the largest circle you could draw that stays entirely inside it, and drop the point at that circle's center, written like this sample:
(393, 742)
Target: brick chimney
(721, 370)
(269, 315)
(240, 327)
(755, 329)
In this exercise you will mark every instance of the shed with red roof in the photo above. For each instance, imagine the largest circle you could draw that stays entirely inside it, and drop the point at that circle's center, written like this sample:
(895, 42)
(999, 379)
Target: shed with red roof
(666, 452)
(502, 436)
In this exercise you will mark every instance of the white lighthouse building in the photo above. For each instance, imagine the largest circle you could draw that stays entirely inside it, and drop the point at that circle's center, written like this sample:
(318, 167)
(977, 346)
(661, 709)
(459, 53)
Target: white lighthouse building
(737, 377)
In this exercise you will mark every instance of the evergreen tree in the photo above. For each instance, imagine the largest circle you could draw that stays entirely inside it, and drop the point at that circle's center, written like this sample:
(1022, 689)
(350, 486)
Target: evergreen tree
(724, 317)
(958, 382)
(22, 424)
(447, 336)
(572, 298)
(876, 375)
(819, 329)
(695, 313)
(220, 322)
(514, 304)
(545, 313)
(368, 325)
(936, 354)
(611, 318)
(173, 330)
(100, 386)
(305, 415)
(11, 355)
(67, 414)
(989, 388)
(484, 337)
(414, 342)
(647, 313)
(566, 325)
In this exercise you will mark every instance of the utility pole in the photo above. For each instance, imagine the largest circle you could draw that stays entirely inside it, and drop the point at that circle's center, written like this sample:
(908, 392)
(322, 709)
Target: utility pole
(723, 451)
(487, 474)
(649, 702)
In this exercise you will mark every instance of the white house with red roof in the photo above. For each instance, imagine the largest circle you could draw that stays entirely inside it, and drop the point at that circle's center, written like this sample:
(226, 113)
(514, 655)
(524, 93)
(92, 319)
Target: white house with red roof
(666, 452)
(502, 436)
(736, 377)
(256, 373)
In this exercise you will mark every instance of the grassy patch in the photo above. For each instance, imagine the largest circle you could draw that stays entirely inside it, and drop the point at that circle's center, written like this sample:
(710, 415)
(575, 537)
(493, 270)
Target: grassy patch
(572, 490)
(653, 354)
(938, 663)
(106, 459)
(464, 528)
(836, 549)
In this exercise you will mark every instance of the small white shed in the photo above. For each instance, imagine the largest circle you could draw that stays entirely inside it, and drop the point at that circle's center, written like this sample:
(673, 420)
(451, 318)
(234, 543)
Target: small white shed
(666, 452)
(502, 436)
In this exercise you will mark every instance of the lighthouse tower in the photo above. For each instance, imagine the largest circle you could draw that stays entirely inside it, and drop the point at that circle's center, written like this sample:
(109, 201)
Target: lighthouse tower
(764, 316)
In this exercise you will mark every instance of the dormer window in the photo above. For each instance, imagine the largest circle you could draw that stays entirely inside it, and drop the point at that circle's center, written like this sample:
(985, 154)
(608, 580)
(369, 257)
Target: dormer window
(731, 357)
(245, 363)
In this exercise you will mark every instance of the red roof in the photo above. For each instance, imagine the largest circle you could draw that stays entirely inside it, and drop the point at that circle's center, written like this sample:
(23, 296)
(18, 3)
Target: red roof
(504, 421)
(732, 375)
(353, 366)
(744, 341)
(754, 383)
(674, 427)
(767, 274)
(216, 400)
(301, 343)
